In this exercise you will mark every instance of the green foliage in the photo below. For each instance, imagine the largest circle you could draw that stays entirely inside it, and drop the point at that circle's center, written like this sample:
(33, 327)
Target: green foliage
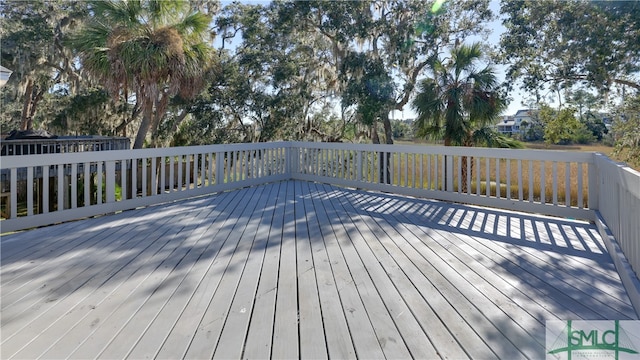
(457, 99)
(90, 111)
(626, 132)
(156, 49)
(534, 130)
(369, 86)
(322, 70)
(401, 129)
(595, 125)
(562, 127)
(32, 37)
(561, 43)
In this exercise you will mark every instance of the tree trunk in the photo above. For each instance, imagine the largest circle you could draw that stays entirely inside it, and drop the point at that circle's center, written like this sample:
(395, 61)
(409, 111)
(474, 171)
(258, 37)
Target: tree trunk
(465, 183)
(388, 131)
(145, 125)
(374, 133)
(383, 158)
(465, 160)
(26, 122)
(158, 114)
(447, 142)
(388, 134)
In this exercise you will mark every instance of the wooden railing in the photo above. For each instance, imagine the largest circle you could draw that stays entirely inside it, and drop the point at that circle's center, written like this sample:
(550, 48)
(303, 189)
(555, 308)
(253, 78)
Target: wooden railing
(63, 144)
(76, 185)
(569, 184)
(618, 204)
(548, 182)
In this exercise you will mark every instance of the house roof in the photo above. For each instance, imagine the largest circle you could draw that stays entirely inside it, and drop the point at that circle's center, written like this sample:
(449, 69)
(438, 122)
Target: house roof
(523, 112)
(507, 123)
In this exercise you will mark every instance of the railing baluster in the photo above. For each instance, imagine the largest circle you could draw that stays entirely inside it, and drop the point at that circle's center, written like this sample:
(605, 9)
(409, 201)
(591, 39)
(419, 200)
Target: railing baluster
(143, 169)
(520, 192)
(163, 174)
(193, 172)
(567, 183)
(531, 181)
(543, 182)
(210, 155)
(134, 178)
(172, 173)
(154, 176)
(508, 179)
(187, 171)
(469, 160)
(478, 177)
(74, 186)
(405, 168)
(110, 181)
(61, 190)
(555, 183)
(179, 178)
(30, 191)
(13, 193)
(498, 185)
(421, 171)
(459, 172)
(100, 180)
(487, 165)
(436, 171)
(87, 183)
(45, 190)
(123, 179)
(580, 190)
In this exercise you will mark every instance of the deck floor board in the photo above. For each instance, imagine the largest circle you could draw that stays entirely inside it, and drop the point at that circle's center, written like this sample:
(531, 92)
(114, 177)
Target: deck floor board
(298, 269)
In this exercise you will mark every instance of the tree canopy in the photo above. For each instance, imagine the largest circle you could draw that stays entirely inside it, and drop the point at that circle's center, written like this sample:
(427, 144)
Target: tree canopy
(558, 44)
(156, 49)
(195, 72)
(458, 98)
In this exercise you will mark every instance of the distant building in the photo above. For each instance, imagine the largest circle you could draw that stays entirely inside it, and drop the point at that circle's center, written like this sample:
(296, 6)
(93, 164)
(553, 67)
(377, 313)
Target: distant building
(516, 124)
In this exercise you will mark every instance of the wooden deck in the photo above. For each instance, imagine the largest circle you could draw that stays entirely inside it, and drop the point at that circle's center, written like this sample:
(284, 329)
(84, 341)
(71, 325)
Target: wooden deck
(298, 269)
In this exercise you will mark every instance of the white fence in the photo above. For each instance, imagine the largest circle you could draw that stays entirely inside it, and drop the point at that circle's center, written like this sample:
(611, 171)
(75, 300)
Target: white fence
(570, 184)
(549, 182)
(64, 187)
(619, 204)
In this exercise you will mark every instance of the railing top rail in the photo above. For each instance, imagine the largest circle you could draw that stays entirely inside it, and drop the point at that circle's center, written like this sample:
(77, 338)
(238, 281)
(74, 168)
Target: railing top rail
(65, 140)
(624, 174)
(515, 154)
(115, 155)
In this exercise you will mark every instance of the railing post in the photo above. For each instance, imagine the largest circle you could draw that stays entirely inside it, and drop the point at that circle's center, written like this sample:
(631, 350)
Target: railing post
(359, 166)
(594, 183)
(289, 163)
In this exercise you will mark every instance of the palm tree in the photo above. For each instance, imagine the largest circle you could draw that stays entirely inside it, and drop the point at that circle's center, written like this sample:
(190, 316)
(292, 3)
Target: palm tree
(459, 102)
(155, 49)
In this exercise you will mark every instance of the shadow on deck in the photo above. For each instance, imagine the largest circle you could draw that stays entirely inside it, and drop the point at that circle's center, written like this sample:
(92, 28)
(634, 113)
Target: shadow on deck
(298, 269)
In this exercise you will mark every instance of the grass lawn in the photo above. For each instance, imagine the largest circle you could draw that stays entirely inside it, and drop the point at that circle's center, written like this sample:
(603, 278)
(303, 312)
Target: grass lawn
(540, 180)
(606, 150)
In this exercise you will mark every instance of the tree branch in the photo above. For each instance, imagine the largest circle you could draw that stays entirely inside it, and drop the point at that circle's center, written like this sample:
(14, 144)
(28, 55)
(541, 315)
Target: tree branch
(411, 84)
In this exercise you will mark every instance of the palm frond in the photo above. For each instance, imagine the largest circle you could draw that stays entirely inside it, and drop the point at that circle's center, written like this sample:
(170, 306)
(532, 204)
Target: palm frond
(486, 136)
(459, 99)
